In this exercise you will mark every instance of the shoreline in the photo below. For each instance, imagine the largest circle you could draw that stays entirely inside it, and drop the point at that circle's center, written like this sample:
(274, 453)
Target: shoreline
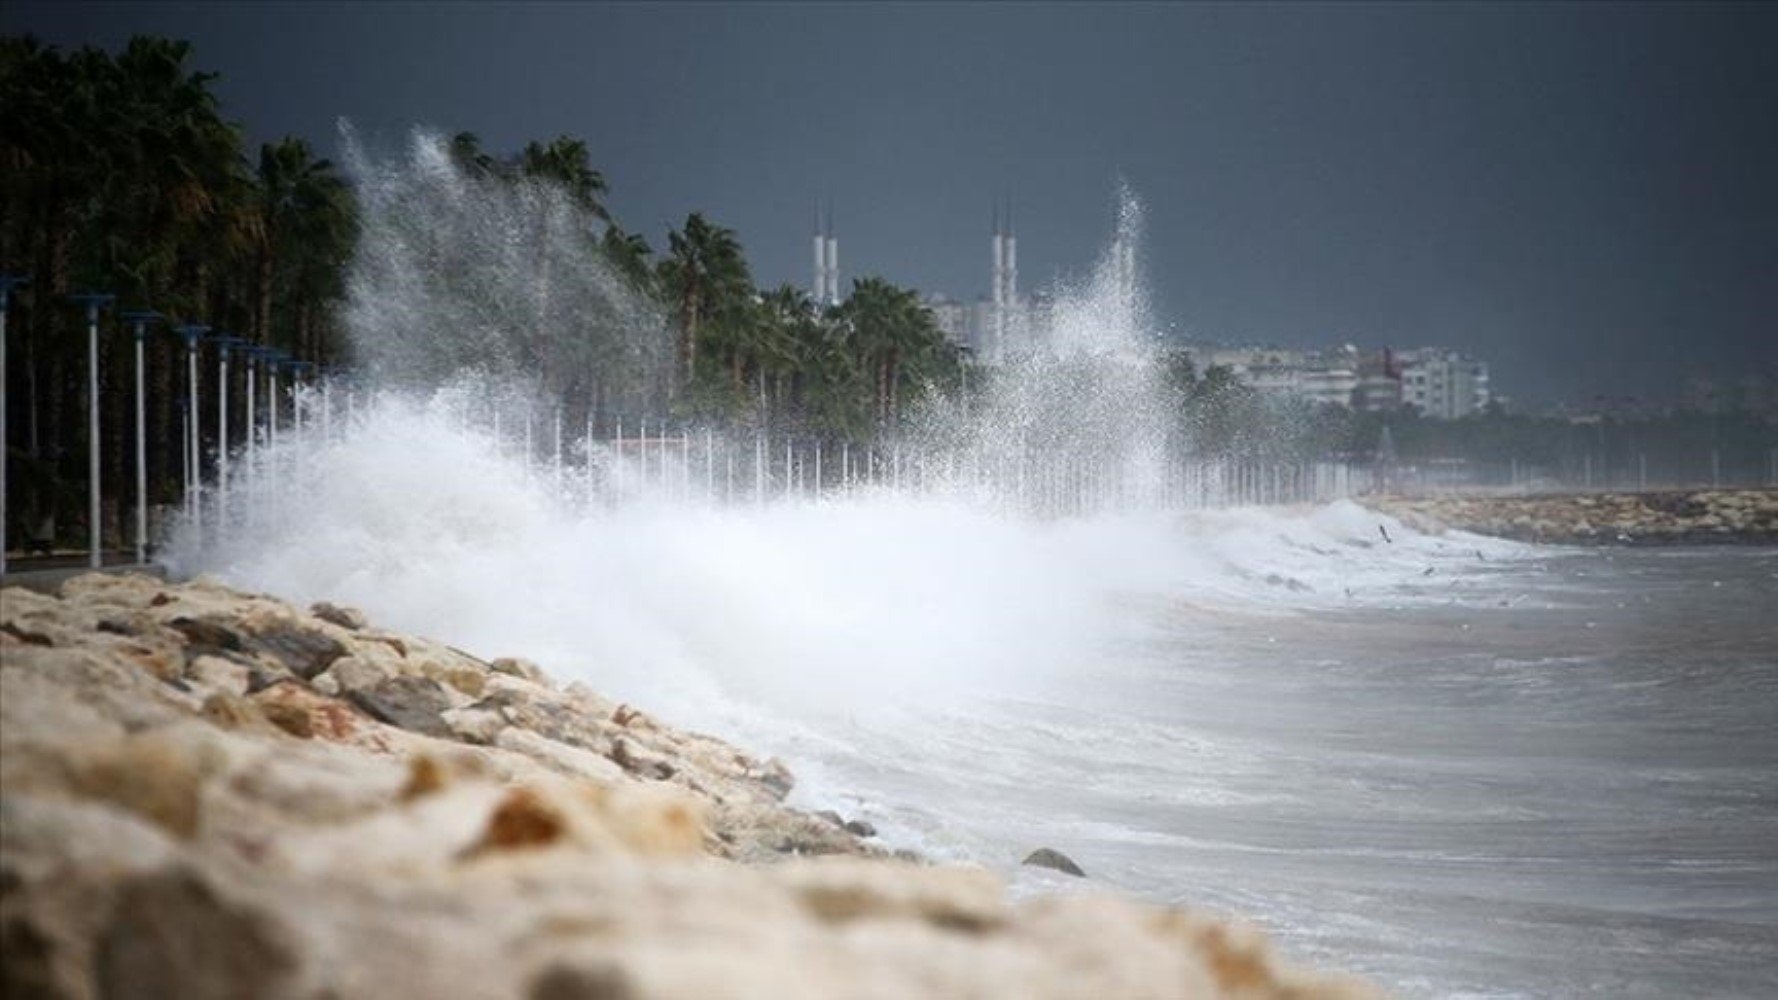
(335, 809)
(1646, 518)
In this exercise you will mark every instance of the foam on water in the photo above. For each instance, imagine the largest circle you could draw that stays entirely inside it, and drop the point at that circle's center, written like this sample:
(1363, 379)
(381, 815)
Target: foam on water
(1439, 759)
(841, 604)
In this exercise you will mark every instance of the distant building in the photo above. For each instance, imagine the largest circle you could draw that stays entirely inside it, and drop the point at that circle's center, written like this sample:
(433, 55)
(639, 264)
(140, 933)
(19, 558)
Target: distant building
(1379, 383)
(1321, 377)
(955, 319)
(1001, 324)
(1443, 383)
(1439, 383)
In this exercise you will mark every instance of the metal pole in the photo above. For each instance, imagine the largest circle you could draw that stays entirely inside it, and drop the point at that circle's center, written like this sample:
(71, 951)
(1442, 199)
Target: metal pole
(617, 465)
(140, 320)
(95, 557)
(93, 302)
(185, 456)
(193, 471)
(222, 347)
(759, 469)
(271, 401)
(141, 453)
(326, 407)
(252, 407)
(7, 283)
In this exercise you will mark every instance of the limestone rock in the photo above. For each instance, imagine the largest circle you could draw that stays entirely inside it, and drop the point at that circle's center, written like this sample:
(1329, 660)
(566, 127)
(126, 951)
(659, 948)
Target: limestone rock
(303, 651)
(515, 667)
(347, 618)
(174, 934)
(1045, 857)
(401, 840)
(1747, 516)
(356, 673)
(414, 703)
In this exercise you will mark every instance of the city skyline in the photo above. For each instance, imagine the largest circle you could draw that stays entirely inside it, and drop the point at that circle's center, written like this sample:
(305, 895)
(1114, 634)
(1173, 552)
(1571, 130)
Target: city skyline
(1577, 192)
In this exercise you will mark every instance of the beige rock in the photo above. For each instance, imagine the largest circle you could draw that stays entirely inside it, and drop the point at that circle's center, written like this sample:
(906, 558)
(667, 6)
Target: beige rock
(540, 843)
(569, 760)
(517, 667)
(357, 672)
(217, 674)
(351, 619)
(468, 680)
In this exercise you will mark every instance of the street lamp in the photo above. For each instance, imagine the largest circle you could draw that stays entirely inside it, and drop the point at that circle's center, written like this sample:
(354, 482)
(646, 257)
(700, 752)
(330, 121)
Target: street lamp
(297, 370)
(224, 343)
(7, 283)
(139, 320)
(275, 360)
(252, 353)
(194, 509)
(93, 301)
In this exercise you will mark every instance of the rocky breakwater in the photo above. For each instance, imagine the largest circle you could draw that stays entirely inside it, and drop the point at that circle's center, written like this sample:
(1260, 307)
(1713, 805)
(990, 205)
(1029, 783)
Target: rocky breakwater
(213, 794)
(1689, 517)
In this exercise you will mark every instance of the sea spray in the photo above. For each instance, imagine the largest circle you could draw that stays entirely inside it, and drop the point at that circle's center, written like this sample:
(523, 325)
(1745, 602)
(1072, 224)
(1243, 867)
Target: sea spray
(457, 274)
(431, 499)
(833, 607)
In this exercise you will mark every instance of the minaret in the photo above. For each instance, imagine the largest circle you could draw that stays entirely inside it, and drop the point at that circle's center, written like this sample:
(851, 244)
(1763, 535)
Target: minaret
(832, 256)
(1011, 269)
(818, 287)
(997, 294)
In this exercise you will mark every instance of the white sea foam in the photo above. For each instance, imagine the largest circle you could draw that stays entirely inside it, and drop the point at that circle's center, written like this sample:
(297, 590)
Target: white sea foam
(1443, 790)
(837, 605)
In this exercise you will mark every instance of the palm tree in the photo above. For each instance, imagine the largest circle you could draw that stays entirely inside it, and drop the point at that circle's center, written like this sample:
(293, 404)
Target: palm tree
(703, 276)
(466, 152)
(629, 253)
(118, 173)
(564, 161)
(894, 337)
(304, 230)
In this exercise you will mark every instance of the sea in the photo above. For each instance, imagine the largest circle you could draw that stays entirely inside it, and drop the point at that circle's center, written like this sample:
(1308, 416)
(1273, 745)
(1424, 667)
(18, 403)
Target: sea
(1457, 766)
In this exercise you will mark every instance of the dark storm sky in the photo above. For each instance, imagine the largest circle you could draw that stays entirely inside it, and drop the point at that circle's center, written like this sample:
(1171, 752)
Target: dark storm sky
(1585, 195)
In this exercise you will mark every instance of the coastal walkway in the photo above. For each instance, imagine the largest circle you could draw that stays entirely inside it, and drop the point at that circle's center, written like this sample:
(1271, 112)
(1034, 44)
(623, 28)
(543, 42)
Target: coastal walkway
(45, 573)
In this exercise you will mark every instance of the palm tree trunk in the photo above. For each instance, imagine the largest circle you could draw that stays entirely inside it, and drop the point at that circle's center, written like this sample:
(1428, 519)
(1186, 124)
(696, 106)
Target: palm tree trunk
(686, 348)
(893, 367)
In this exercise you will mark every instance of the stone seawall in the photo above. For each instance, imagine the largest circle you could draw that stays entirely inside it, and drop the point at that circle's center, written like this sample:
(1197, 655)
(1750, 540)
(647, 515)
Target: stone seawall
(212, 794)
(1689, 517)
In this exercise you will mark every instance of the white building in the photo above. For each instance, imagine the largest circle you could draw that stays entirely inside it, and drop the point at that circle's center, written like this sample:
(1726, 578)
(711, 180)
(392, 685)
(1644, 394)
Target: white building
(1438, 382)
(1321, 377)
(1443, 383)
(955, 319)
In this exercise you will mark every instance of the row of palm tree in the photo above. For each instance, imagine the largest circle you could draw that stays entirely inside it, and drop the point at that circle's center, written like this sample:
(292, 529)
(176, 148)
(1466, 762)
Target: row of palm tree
(740, 352)
(119, 173)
